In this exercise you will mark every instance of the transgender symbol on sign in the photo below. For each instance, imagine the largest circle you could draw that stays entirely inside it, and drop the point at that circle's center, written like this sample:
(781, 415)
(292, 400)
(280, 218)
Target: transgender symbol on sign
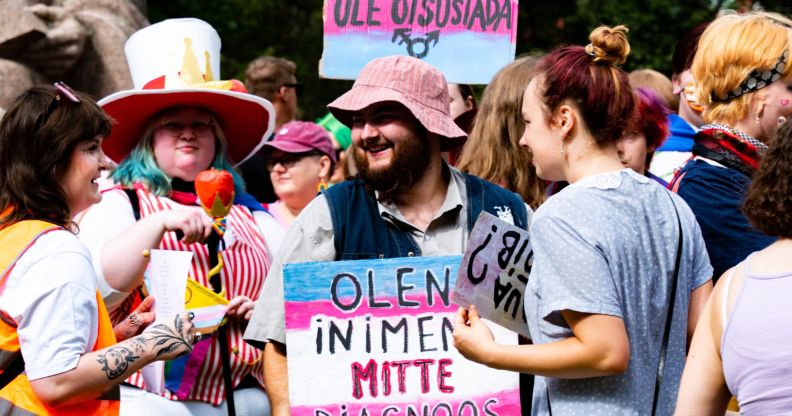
(403, 36)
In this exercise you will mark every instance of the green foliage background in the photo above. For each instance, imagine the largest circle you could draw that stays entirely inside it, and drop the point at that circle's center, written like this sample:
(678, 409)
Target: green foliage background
(293, 29)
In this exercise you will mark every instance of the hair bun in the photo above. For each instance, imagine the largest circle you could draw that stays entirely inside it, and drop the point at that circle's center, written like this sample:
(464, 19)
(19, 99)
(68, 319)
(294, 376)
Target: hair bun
(609, 46)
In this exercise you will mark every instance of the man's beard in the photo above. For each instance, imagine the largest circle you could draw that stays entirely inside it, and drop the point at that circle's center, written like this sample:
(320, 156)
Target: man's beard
(407, 166)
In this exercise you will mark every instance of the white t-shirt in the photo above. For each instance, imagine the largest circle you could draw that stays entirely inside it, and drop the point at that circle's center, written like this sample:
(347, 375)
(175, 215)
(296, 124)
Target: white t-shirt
(51, 294)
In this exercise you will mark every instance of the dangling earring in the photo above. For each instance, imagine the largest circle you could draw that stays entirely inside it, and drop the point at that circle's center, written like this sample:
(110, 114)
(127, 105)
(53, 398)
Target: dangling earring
(563, 145)
(322, 186)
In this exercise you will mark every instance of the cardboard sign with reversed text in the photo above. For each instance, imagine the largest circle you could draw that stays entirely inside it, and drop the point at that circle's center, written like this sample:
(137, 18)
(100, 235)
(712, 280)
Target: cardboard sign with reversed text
(494, 272)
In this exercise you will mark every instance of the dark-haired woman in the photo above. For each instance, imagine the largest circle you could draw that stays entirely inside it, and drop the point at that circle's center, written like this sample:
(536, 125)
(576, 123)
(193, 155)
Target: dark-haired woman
(55, 326)
(605, 251)
(743, 345)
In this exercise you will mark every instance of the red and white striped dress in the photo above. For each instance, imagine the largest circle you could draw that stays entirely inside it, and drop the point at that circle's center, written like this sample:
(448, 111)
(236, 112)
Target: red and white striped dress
(246, 265)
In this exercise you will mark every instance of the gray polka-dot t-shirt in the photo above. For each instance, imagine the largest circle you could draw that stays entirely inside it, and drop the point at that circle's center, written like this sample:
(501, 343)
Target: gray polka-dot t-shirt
(607, 245)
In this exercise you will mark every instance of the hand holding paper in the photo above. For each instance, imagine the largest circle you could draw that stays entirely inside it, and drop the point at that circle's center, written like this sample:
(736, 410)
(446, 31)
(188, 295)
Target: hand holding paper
(137, 321)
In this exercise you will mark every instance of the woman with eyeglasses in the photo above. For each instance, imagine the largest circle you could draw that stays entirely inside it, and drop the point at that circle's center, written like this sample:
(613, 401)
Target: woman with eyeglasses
(59, 352)
(167, 131)
(301, 159)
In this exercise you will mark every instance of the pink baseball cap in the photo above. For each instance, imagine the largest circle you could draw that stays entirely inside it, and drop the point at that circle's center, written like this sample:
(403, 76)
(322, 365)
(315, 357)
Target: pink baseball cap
(301, 137)
(411, 82)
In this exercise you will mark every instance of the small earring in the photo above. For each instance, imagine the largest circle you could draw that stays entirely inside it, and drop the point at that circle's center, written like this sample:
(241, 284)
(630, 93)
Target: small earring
(563, 145)
(757, 118)
(322, 186)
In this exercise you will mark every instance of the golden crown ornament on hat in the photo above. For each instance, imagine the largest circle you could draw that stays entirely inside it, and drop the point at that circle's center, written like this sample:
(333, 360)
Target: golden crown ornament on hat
(173, 63)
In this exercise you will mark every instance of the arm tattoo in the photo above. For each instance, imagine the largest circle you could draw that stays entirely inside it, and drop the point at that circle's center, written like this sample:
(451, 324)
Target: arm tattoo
(115, 361)
(166, 340)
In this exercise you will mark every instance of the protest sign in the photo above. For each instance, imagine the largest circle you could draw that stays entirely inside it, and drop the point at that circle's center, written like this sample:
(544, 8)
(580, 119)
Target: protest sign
(494, 272)
(467, 40)
(374, 337)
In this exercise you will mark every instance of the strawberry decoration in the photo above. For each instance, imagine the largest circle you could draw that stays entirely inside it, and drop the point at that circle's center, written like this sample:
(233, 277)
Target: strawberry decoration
(215, 189)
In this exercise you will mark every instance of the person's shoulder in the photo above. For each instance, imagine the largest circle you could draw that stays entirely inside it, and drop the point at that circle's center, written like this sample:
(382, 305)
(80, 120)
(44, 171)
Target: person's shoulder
(570, 195)
(59, 250)
(60, 240)
(345, 186)
(556, 207)
(501, 201)
(465, 178)
(580, 203)
(316, 210)
(115, 197)
(682, 207)
(701, 170)
(702, 178)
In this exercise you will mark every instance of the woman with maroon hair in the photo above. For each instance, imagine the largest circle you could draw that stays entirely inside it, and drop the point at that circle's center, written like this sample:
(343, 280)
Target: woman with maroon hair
(620, 271)
(649, 131)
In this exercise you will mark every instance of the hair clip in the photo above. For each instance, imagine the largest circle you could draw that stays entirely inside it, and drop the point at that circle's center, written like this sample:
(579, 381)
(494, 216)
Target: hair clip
(64, 90)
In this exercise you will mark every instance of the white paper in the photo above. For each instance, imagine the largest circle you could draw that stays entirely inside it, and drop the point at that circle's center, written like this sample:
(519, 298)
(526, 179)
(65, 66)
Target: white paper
(167, 282)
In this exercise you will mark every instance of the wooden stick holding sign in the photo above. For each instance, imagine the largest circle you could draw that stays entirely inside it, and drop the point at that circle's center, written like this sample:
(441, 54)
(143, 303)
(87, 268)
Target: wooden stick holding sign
(494, 272)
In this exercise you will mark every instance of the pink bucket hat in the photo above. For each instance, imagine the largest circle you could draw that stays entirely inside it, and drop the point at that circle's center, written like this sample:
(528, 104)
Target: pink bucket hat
(411, 82)
(301, 137)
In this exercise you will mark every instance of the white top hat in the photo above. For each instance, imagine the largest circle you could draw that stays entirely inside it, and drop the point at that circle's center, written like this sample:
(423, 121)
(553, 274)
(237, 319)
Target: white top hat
(175, 63)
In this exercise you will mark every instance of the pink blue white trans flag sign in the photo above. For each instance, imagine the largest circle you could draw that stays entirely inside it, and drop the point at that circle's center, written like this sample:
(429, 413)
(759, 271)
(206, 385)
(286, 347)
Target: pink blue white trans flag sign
(467, 40)
(374, 337)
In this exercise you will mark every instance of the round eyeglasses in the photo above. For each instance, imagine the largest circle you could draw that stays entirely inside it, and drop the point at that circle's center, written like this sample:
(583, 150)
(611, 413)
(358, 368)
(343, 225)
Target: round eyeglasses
(176, 128)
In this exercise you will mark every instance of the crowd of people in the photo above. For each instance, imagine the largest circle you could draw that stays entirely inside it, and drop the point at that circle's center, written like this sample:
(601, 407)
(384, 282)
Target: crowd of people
(639, 192)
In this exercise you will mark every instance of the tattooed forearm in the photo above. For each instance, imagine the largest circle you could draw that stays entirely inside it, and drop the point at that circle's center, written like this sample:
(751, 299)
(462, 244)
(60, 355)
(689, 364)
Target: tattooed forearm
(115, 361)
(165, 339)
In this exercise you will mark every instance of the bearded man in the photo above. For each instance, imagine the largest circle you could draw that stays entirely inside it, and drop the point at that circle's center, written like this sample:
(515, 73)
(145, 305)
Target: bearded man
(406, 200)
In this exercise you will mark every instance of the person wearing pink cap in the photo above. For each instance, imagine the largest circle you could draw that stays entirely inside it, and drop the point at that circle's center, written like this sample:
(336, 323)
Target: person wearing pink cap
(300, 160)
(405, 201)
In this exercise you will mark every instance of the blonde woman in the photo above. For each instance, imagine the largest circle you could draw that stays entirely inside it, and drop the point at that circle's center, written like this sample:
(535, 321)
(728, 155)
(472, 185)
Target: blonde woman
(744, 82)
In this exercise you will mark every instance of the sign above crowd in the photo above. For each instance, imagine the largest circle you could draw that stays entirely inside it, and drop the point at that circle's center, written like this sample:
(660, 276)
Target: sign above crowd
(468, 40)
(374, 337)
